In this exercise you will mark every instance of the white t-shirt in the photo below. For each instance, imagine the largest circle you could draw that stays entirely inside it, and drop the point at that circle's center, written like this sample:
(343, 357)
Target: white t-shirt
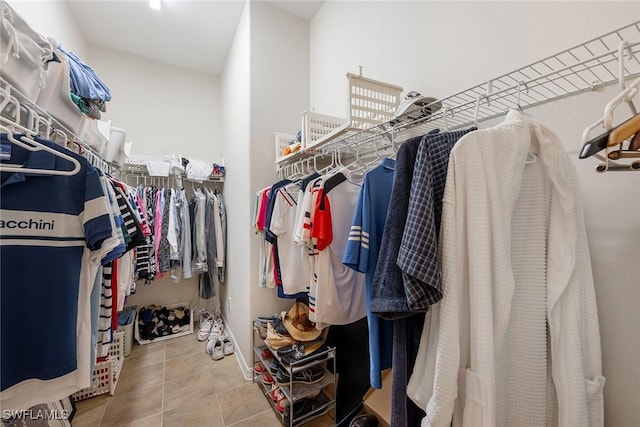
(338, 292)
(294, 266)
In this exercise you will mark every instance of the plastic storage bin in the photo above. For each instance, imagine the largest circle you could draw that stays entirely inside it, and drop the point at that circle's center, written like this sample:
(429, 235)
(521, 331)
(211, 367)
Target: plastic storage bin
(56, 99)
(282, 142)
(127, 328)
(371, 102)
(92, 134)
(114, 151)
(317, 128)
(166, 337)
(105, 374)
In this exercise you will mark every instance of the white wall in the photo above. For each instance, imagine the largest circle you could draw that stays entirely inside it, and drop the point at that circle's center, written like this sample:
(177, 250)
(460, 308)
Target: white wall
(236, 119)
(53, 19)
(279, 93)
(444, 47)
(439, 48)
(164, 108)
(265, 86)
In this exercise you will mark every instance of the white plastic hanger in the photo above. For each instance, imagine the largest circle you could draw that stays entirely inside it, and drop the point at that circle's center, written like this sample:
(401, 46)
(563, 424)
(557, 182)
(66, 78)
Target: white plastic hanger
(28, 143)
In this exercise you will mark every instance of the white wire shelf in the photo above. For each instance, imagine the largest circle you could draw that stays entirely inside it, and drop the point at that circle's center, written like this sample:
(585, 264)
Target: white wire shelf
(139, 170)
(586, 67)
(49, 125)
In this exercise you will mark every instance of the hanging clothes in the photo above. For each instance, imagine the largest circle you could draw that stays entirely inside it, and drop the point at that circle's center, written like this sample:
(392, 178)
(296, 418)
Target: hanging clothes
(337, 292)
(389, 296)
(361, 254)
(31, 206)
(220, 222)
(489, 263)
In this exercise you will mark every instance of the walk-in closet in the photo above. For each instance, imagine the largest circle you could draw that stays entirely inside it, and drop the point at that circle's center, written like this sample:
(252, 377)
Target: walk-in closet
(235, 213)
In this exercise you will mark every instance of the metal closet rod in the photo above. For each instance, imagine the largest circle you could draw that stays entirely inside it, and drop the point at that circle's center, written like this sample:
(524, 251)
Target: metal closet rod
(139, 171)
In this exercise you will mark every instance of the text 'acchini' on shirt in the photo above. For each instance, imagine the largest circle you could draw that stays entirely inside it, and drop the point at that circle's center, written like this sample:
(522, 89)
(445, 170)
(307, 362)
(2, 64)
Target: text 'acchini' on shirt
(55, 230)
(339, 290)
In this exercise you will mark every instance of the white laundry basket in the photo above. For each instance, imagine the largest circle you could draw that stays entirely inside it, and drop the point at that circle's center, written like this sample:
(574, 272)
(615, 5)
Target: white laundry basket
(114, 150)
(55, 98)
(316, 128)
(282, 142)
(95, 133)
(371, 102)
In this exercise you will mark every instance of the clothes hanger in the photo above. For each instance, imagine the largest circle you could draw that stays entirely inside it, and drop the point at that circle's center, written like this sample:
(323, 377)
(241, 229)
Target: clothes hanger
(32, 145)
(28, 143)
(591, 147)
(603, 141)
(486, 96)
(331, 165)
(477, 110)
(630, 128)
(520, 84)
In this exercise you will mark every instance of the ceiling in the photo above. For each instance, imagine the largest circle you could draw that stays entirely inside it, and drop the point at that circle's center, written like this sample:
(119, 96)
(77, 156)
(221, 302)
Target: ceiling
(195, 34)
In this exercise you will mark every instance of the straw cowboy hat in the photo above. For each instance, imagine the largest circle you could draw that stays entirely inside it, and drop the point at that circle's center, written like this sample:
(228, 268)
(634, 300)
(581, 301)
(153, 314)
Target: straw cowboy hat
(298, 324)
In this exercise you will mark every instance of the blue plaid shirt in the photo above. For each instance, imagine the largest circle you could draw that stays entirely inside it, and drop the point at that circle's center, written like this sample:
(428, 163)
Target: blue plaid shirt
(418, 256)
(408, 278)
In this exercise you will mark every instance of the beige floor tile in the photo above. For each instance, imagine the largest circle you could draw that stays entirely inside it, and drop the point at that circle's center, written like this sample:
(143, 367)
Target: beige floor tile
(227, 374)
(83, 405)
(227, 364)
(199, 412)
(136, 348)
(183, 346)
(186, 389)
(142, 358)
(90, 411)
(185, 366)
(177, 377)
(225, 381)
(242, 402)
(323, 421)
(139, 378)
(264, 419)
(134, 406)
(154, 420)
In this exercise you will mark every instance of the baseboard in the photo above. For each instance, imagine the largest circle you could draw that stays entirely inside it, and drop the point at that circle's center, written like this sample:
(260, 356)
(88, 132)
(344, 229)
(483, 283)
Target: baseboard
(247, 371)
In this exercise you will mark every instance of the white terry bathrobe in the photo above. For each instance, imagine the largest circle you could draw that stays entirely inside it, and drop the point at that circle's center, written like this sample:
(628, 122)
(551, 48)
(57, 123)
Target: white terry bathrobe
(515, 340)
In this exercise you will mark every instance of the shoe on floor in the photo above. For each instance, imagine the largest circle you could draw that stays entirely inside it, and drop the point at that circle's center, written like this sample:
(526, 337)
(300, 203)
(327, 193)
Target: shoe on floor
(205, 328)
(364, 420)
(216, 329)
(217, 351)
(227, 346)
(209, 346)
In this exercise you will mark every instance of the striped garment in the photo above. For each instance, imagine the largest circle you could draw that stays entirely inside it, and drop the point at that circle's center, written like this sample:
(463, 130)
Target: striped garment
(54, 232)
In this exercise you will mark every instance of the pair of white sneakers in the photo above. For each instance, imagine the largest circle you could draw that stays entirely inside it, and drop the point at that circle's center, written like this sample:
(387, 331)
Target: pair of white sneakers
(218, 345)
(210, 328)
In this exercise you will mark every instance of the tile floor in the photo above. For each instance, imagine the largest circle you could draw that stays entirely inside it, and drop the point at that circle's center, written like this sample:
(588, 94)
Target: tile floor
(175, 383)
